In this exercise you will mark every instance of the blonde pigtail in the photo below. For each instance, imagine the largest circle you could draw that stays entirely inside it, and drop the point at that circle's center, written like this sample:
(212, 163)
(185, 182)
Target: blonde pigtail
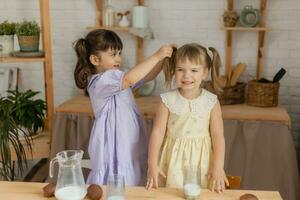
(215, 66)
(168, 66)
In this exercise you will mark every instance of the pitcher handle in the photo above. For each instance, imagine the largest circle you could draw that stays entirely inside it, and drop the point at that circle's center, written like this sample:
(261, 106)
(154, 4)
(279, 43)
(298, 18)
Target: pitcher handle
(51, 169)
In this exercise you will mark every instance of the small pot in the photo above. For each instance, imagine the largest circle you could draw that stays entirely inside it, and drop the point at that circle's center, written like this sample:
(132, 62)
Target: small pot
(29, 43)
(6, 44)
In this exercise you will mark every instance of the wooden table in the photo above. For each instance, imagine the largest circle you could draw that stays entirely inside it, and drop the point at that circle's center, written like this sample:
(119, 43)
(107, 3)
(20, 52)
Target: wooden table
(259, 144)
(33, 191)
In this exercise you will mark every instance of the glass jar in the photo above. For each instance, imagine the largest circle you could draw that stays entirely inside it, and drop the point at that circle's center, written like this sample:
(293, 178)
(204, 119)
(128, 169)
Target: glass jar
(109, 14)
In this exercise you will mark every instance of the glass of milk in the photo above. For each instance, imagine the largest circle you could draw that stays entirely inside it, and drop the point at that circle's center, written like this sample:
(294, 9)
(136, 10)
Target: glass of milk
(116, 187)
(191, 185)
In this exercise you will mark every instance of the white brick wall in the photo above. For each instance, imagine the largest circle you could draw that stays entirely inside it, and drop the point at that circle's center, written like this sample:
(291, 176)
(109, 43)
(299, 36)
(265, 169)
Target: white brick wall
(173, 21)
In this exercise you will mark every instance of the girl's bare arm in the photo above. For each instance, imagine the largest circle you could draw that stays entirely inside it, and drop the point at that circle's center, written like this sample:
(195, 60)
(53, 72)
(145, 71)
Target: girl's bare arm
(154, 72)
(217, 175)
(156, 140)
(217, 134)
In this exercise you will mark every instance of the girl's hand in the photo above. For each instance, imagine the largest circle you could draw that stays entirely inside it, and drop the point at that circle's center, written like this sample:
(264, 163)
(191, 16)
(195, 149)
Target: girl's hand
(217, 179)
(153, 173)
(164, 51)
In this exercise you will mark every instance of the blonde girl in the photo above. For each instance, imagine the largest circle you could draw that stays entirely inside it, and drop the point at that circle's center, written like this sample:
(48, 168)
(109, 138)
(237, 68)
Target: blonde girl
(188, 124)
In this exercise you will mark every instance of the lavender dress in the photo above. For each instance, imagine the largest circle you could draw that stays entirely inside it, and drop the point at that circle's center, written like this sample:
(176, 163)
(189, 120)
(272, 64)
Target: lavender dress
(118, 143)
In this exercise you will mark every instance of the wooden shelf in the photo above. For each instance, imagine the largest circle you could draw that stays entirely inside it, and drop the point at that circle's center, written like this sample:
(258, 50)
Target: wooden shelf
(261, 30)
(11, 59)
(41, 144)
(112, 28)
(40, 148)
(245, 28)
(46, 59)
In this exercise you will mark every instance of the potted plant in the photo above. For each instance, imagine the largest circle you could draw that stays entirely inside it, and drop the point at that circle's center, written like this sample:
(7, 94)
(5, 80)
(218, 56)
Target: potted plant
(28, 113)
(28, 33)
(7, 32)
(11, 142)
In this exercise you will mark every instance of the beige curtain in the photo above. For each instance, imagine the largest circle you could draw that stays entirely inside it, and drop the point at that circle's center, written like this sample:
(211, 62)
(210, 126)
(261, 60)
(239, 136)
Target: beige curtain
(261, 152)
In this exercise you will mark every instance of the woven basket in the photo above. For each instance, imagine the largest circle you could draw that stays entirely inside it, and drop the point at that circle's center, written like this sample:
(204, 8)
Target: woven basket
(262, 94)
(230, 95)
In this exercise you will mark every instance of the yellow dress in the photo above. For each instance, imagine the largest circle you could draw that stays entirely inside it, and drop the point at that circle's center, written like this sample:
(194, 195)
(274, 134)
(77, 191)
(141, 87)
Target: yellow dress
(187, 141)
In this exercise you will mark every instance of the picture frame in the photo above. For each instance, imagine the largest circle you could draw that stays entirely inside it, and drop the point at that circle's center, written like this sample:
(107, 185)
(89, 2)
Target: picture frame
(8, 80)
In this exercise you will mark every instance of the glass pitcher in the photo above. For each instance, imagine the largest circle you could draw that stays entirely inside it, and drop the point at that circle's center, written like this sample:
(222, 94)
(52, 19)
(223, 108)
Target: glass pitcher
(70, 182)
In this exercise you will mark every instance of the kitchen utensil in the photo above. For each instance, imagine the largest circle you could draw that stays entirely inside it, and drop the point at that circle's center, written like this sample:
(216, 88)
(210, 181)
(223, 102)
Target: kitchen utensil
(237, 72)
(278, 76)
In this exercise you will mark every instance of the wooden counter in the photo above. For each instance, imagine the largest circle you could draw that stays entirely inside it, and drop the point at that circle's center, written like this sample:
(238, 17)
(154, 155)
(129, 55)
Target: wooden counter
(33, 191)
(148, 105)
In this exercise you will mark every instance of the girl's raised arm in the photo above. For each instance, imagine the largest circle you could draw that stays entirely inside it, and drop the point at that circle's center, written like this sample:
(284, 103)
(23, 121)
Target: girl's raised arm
(142, 69)
(154, 72)
(156, 140)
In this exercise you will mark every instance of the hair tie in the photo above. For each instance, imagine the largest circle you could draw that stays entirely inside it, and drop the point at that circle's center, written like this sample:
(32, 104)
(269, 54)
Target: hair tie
(209, 53)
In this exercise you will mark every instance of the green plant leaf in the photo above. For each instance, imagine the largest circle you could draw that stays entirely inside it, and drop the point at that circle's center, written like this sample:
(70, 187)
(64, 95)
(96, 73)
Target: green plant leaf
(27, 28)
(16, 110)
(7, 28)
